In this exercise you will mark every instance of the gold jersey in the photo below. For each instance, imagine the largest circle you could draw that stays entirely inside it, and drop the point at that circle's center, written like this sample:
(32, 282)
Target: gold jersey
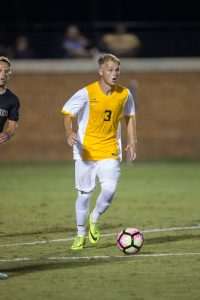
(98, 119)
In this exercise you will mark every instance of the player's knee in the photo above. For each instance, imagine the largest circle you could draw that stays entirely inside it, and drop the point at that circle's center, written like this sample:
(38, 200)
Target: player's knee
(83, 199)
(109, 188)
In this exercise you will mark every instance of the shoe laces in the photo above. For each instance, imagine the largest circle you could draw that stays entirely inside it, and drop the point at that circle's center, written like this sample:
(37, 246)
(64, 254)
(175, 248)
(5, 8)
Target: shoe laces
(96, 227)
(77, 240)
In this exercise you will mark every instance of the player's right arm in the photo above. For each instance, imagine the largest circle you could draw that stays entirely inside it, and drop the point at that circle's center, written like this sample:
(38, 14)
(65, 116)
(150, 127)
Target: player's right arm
(71, 136)
(10, 132)
(70, 110)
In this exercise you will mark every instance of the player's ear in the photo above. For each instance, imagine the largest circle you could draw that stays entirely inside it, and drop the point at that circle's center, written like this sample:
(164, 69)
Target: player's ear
(100, 72)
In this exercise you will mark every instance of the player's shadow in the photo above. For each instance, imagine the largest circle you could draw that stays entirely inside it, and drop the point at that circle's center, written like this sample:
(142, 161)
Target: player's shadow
(42, 231)
(171, 238)
(155, 240)
(49, 266)
(106, 245)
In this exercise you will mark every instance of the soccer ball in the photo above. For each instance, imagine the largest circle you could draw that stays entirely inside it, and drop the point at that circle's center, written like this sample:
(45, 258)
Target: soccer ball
(130, 240)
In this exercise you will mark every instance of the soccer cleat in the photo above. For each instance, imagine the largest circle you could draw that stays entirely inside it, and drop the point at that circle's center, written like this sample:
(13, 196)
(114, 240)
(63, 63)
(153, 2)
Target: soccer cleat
(94, 233)
(3, 276)
(79, 243)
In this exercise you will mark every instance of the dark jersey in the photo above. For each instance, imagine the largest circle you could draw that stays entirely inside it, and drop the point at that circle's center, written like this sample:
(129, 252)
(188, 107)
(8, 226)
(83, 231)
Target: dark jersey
(9, 108)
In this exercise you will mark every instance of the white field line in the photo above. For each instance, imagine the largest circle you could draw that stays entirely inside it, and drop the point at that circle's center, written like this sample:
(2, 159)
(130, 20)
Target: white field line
(157, 230)
(102, 257)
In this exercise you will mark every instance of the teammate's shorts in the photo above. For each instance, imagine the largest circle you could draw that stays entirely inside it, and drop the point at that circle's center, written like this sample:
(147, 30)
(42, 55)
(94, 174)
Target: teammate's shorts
(88, 172)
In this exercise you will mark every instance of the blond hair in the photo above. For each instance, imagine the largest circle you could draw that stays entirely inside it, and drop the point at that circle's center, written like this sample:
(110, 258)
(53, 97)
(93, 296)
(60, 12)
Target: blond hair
(108, 57)
(5, 59)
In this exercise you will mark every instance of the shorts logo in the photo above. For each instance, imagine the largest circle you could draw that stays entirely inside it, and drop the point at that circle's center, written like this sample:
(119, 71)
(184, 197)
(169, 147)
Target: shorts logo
(115, 154)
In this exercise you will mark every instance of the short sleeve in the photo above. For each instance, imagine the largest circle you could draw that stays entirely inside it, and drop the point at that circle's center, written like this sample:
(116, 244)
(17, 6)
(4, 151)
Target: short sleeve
(13, 114)
(74, 105)
(129, 107)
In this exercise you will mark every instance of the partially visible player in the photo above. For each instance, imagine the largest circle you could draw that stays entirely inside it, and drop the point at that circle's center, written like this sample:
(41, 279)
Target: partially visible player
(9, 109)
(99, 108)
(3, 276)
(9, 103)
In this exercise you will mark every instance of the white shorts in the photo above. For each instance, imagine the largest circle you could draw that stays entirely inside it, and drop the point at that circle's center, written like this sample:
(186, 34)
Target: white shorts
(88, 171)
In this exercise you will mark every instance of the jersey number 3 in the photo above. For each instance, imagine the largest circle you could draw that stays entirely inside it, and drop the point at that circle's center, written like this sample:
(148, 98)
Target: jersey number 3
(108, 114)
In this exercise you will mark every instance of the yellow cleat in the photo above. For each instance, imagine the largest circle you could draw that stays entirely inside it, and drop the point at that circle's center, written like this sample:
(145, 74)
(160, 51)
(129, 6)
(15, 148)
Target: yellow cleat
(94, 233)
(79, 243)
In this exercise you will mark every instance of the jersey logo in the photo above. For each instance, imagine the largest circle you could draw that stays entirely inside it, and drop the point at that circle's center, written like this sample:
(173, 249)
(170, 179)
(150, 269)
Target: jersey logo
(94, 100)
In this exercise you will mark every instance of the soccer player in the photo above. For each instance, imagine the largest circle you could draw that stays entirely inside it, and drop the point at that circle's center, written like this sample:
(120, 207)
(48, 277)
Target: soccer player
(9, 109)
(9, 103)
(97, 151)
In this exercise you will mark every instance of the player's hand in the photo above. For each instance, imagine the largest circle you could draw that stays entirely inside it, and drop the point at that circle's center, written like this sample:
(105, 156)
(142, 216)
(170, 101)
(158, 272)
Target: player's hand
(72, 139)
(4, 137)
(132, 149)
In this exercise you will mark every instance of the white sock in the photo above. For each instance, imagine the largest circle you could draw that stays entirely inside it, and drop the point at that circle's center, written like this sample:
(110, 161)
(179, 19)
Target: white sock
(104, 200)
(82, 208)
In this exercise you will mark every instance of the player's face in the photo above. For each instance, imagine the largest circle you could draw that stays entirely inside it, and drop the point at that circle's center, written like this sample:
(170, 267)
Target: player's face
(4, 73)
(110, 72)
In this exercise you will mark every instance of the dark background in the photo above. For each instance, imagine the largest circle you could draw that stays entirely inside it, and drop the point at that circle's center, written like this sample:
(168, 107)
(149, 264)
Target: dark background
(98, 10)
(166, 28)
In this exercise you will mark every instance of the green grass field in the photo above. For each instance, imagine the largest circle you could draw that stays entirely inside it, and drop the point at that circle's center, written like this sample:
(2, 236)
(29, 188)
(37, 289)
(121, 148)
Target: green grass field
(37, 220)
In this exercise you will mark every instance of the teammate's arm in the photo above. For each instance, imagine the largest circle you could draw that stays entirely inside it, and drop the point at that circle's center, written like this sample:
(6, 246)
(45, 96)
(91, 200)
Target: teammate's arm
(132, 136)
(9, 132)
(70, 134)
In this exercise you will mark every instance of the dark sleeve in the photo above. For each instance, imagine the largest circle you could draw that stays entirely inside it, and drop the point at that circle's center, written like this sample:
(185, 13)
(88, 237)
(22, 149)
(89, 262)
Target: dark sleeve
(13, 114)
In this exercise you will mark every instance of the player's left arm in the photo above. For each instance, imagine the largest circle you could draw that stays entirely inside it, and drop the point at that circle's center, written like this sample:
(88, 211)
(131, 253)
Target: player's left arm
(9, 132)
(132, 136)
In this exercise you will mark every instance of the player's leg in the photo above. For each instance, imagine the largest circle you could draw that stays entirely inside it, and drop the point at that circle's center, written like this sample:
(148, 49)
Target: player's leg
(104, 199)
(81, 208)
(85, 183)
(108, 174)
